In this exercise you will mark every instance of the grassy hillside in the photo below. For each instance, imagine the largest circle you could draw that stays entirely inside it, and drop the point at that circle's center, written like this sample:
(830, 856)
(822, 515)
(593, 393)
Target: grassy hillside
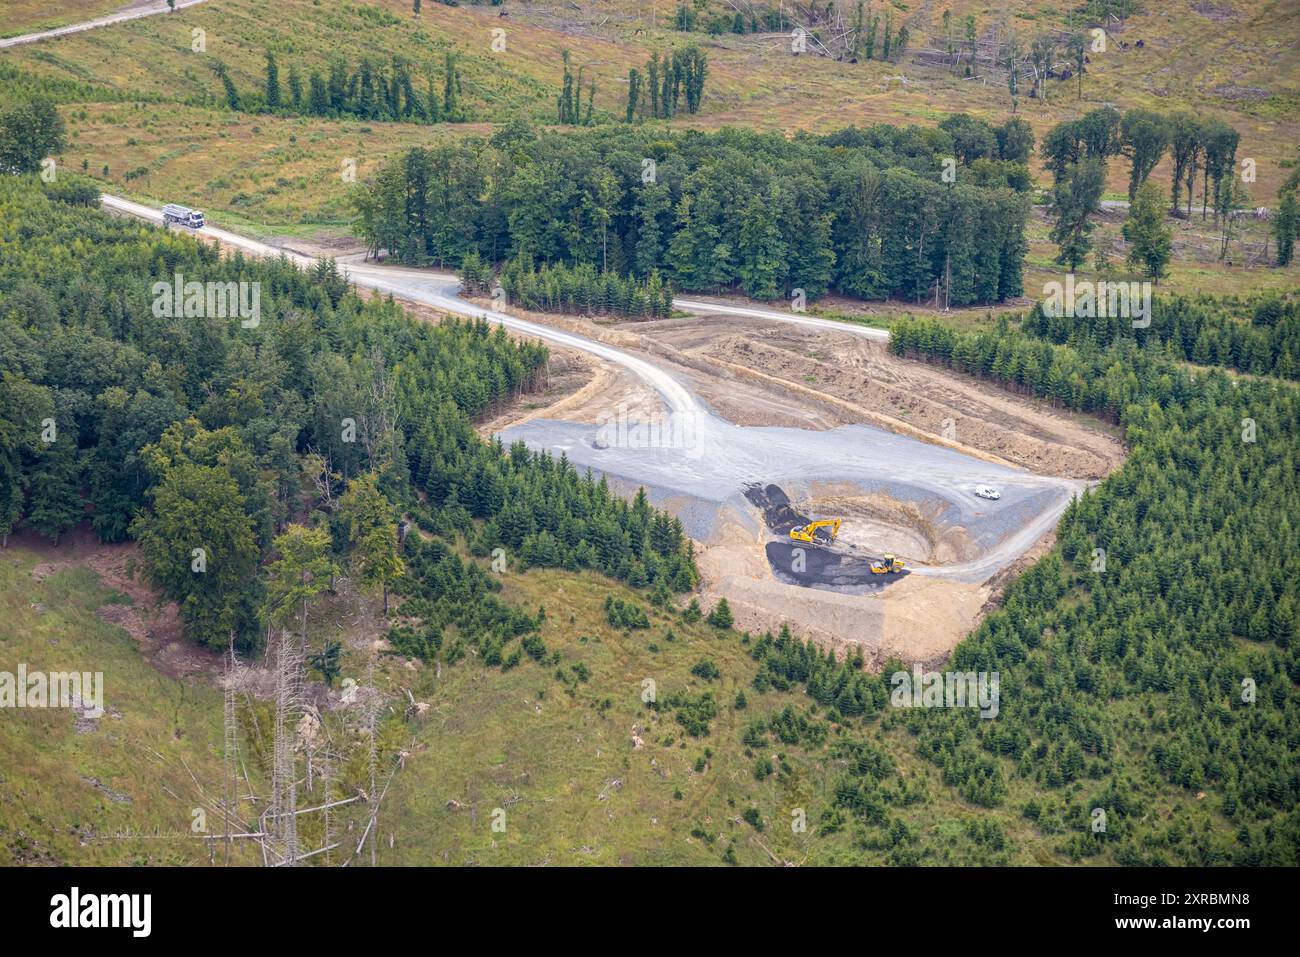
(563, 740)
(1195, 267)
(29, 16)
(120, 790)
(544, 748)
(284, 172)
(556, 753)
(263, 174)
(154, 57)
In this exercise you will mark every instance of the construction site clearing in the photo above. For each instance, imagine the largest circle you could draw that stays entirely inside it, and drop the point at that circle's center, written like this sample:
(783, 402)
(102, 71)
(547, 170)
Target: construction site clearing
(911, 565)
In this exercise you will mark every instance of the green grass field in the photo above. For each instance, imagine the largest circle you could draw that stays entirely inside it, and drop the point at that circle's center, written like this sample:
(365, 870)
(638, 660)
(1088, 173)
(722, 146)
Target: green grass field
(146, 116)
(542, 749)
(29, 16)
(121, 793)
(558, 758)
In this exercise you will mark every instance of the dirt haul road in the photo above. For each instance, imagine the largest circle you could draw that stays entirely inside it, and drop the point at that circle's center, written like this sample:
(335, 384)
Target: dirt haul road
(131, 11)
(697, 464)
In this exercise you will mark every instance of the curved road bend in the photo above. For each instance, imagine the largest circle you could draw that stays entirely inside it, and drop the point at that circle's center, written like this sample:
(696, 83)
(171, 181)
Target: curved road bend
(737, 455)
(122, 16)
(751, 453)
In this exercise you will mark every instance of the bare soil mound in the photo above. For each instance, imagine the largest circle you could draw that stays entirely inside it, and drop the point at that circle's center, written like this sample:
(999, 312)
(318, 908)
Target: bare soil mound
(920, 398)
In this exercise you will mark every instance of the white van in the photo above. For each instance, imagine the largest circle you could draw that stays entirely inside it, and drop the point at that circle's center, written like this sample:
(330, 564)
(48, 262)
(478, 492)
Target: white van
(987, 491)
(183, 215)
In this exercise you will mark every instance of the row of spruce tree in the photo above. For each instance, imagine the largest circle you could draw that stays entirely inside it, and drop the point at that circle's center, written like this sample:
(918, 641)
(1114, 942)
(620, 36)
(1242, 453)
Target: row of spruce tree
(369, 91)
(866, 212)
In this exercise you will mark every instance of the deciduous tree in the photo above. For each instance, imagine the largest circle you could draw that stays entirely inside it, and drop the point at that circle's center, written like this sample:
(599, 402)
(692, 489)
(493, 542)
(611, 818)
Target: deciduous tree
(30, 130)
(1076, 198)
(1150, 240)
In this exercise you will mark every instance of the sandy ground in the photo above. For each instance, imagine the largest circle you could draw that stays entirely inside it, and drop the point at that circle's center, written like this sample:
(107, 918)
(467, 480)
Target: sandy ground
(579, 388)
(753, 372)
(915, 619)
(853, 379)
(879, 522)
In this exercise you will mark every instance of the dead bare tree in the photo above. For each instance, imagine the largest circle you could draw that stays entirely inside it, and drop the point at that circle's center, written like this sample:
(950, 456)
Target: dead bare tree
(380, 420)
(280, 820)
(319, 470)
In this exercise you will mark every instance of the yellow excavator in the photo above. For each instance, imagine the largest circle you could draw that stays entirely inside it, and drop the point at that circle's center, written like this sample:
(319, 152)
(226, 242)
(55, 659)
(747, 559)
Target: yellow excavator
(890, 565)
(808, 533)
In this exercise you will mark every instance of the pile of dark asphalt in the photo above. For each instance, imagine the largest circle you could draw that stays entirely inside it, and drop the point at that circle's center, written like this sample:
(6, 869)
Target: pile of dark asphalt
(810, 566)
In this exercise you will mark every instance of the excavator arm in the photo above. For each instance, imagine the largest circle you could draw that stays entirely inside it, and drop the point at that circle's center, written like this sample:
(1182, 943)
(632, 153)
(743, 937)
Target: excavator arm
(808, 533)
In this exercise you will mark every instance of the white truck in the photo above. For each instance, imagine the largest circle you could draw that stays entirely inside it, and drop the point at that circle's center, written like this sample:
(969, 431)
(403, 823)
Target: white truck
(183, 215)
(987, 491)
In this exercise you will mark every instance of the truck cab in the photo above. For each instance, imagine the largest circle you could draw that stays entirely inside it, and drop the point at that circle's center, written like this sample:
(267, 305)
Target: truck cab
(183, 216)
